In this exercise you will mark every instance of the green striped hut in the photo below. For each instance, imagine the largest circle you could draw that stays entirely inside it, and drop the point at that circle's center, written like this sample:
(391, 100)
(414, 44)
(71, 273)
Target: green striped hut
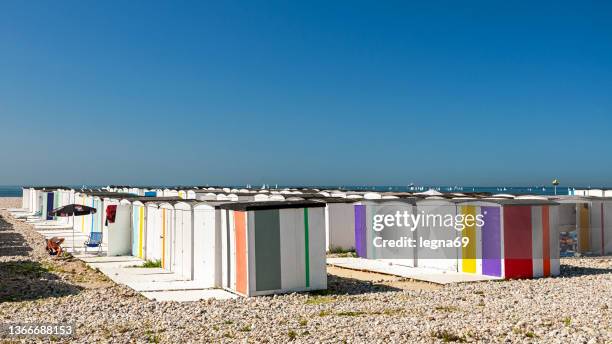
(273, 247)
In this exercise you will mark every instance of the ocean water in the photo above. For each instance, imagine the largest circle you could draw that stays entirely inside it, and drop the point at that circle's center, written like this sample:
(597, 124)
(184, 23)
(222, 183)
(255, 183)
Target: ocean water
(10, 191)
(15, 191)
(514, 190)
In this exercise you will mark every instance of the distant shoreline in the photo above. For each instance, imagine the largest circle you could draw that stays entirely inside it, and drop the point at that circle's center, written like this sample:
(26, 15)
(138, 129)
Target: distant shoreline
(15, 190)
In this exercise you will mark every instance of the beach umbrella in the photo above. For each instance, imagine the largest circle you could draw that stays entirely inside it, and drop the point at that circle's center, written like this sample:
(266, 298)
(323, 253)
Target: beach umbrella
(555, 183)
(72, 210)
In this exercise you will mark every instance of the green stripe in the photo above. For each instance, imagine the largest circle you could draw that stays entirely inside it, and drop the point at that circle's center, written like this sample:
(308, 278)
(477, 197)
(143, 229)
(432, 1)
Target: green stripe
(306, 249)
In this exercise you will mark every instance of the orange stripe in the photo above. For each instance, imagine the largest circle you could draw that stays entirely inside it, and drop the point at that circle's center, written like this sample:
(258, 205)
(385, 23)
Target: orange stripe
(241, 258)
(546, 240)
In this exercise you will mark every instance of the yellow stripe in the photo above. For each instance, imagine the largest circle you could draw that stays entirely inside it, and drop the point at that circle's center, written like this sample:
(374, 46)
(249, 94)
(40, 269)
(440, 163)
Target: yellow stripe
(468, 253)
(141, 232)
(584, 229)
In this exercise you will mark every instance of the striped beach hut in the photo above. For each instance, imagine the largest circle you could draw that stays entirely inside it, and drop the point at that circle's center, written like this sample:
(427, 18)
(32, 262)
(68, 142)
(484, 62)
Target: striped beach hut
(273, 247)
(600, 224)
(119, 231)
(498, 237)
(574, 223)
(166, 212)
(153, 242)
(517, 239)
(25, 198)
(48, 204)
(590, 218)
(339, 224)
(52, 198)
(154, 226)
(138, 229)
(182, 240)
(435, 211)
(99, 200)
(369, 214)
(36, 199)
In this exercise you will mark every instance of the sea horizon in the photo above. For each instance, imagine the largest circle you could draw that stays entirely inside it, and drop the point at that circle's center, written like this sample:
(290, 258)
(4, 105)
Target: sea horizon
(16, 191)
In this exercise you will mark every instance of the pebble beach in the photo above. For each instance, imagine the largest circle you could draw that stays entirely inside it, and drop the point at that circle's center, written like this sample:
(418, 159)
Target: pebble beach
(575, 307)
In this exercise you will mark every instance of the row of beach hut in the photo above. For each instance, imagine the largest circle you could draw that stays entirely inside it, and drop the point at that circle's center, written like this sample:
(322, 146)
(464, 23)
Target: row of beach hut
(257, 242)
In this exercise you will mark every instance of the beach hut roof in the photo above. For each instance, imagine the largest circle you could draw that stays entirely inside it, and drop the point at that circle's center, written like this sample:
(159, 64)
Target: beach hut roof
(430, 192)
(531, 197)
(503, 201)
(295, 199)
(336, 200)
(560, 198)
(398, 194)
(371, 195)
(144, 200)
(105, 194)
(50, 188)
(246, 206)
(503, 196)
(411, 201)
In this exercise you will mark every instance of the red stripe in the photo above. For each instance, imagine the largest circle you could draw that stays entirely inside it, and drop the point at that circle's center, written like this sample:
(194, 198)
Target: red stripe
(546, 240)
(517, 242)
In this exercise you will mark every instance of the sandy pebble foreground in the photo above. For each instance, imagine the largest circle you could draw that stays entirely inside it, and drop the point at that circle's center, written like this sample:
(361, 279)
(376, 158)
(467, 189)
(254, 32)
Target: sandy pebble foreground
(574, 308)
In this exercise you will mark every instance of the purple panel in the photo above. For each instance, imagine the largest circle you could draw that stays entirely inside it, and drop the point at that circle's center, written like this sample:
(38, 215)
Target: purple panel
(360, 231)
(491, 242)
(49, 205)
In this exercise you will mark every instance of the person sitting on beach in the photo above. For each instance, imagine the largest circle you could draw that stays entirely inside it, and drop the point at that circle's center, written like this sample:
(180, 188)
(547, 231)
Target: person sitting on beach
(54, 246)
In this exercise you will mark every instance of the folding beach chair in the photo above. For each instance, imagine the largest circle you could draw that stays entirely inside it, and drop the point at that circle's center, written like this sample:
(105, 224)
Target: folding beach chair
(95, 240)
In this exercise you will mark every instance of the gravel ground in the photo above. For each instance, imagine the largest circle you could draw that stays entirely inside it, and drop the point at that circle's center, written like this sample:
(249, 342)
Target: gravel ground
(574, 308)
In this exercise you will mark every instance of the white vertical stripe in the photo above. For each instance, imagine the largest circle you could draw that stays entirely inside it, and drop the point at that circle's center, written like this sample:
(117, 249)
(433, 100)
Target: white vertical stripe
(328, 242)
(536, 241)
(608, 227)
(316, 235)
(292, 248)
(553, 221)
(232, 247)
(250, 254)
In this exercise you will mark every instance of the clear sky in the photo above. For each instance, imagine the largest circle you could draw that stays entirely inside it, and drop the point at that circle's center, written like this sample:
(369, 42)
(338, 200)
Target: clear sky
(331, 92)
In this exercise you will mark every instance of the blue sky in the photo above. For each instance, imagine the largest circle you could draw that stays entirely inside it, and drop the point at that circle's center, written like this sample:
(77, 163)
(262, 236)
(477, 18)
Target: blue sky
(343, 92)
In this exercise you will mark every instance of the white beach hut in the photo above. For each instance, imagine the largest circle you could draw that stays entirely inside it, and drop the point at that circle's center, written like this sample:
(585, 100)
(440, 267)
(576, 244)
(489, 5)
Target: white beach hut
(339, 224)
(208, 221)
(25, 198)
(153, 248)
(182, 240)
